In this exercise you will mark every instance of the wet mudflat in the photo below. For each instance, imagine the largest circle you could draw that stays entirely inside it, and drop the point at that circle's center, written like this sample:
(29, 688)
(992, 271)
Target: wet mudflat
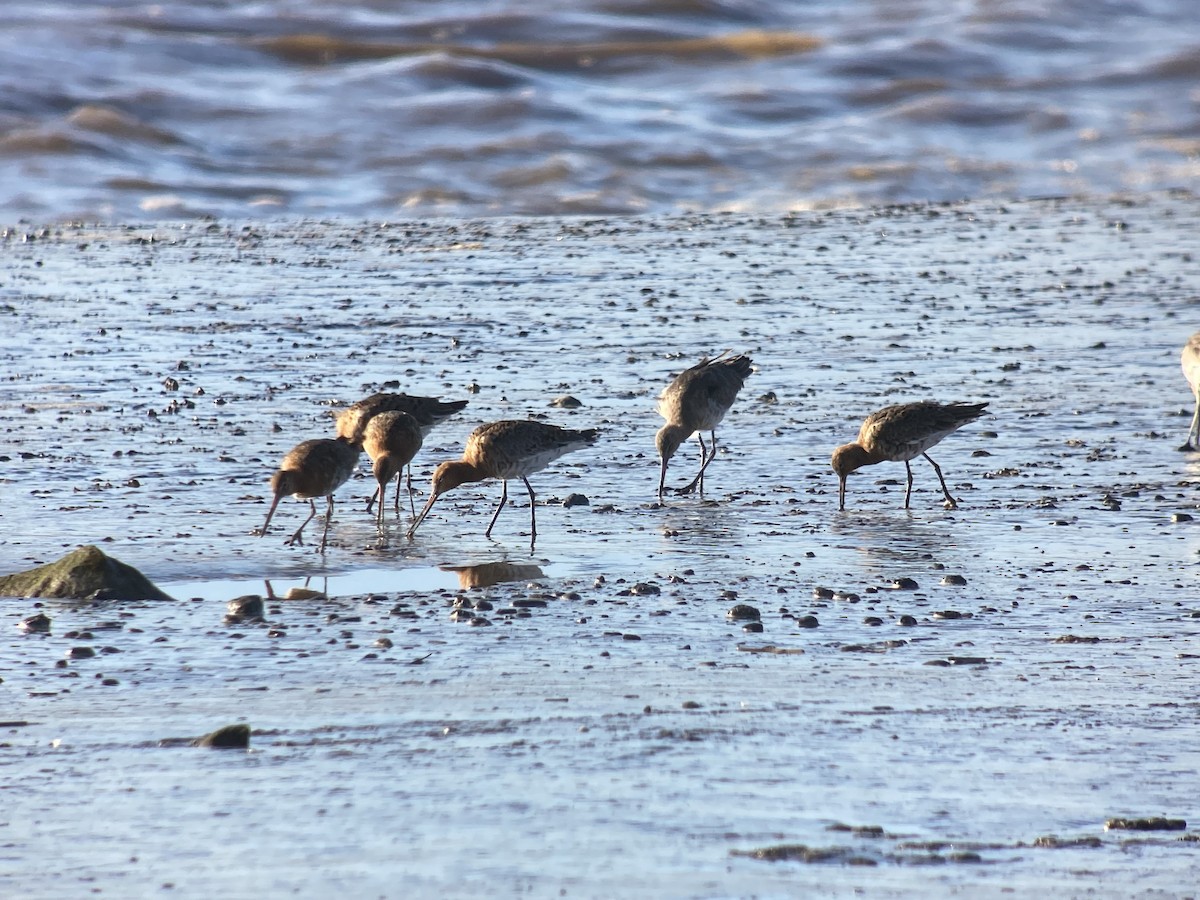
(933, 695)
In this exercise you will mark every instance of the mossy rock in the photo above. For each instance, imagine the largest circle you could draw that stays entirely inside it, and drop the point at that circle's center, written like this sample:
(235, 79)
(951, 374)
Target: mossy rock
(83, 574)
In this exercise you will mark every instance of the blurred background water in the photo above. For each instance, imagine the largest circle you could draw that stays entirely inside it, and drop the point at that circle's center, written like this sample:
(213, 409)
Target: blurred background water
(373, 108)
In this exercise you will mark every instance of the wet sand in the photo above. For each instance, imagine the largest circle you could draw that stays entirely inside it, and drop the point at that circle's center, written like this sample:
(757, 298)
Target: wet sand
(626, 738)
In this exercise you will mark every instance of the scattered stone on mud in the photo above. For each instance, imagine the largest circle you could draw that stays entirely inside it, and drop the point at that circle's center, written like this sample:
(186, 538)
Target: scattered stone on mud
(576, 500)
(38, 623)
(80, 653)
(753, 627)
(1076, 639)
(1054, 842)
(822, 593)
(953, 580)
(771, 648)
(83, 574)
(566, 401)
(968, 660)
(950, 614)
(643, 589)
(1155, 823)
(1181, 517)
(908, 621)
(246, 608)
(743, 611)
(876, 647)
(807, 622)
(230, 737)
(902, 584)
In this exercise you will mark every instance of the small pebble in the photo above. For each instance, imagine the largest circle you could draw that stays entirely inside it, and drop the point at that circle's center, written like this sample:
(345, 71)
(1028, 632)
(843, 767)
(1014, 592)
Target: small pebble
(575, 500)
(566, 401)
(908, 621)
(753, 627)
(807, 622)
(743, 611)
(955, 580)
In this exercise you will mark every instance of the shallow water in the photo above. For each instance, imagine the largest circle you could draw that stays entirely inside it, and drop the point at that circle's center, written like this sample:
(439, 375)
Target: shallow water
(123, 112)
(532, 755)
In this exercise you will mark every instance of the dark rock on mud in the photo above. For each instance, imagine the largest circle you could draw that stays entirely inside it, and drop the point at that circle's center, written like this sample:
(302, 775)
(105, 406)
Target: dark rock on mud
(576, 500)
(743, 611)
(81, 575)
(39, 623)
(1156, 823)
(231, 737)
(1054, 842)
(245, 609)
(807, 622)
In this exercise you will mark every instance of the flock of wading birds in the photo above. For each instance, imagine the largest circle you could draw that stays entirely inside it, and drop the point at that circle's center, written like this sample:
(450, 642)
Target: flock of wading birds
(391, 428)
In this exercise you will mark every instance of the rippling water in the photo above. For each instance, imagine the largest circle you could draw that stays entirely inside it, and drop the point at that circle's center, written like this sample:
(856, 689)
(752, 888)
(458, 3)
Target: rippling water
(119, 111)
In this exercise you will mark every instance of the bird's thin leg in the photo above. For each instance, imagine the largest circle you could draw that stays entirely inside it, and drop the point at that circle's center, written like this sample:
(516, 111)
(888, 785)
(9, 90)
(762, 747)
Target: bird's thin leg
(411, 503)
(698, 481)
(532, 513)
(328, 519)
(950, 501)
(908, 489)
(380, 491)
(296, 538)
(1193, 438)
(503, 500)
(399, 481)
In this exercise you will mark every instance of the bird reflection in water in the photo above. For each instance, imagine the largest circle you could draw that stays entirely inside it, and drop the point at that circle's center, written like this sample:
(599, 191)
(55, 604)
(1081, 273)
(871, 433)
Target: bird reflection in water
(487, 574)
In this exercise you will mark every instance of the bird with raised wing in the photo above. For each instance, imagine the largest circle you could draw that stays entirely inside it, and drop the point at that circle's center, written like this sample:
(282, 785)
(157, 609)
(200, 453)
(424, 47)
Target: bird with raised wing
(504, 450)
(694, 402)
(900, 433)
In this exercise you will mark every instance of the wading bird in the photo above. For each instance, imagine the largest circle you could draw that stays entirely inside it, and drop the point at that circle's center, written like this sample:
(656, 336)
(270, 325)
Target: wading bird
(313, 469)
(504, 450)
(391, 439)
(695, 402)
(1191, 371)
(900, 433)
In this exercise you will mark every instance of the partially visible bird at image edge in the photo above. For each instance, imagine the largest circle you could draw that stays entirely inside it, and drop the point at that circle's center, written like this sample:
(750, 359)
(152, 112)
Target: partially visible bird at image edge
(1190, 361)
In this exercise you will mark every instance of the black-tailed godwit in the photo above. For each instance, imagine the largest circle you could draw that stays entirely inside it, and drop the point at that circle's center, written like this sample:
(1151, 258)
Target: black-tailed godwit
(504, 450)
(391, 439)
(428, 411)
(313, 469)
(900, 433)
(1191, 371)
(695, 402)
